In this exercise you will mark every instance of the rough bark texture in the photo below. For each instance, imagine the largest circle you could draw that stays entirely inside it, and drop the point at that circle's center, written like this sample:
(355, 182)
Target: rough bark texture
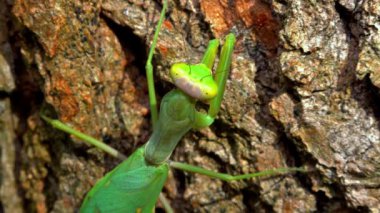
(303, 91)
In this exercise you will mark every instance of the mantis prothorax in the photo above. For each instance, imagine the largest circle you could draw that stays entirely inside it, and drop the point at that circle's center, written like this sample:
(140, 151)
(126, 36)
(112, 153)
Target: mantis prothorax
(135, 184)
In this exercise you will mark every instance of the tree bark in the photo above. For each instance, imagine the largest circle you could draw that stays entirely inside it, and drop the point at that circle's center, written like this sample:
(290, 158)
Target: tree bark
(303, 91)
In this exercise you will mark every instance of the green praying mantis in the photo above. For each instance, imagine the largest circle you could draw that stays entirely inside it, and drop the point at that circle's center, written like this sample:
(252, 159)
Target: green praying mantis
(135, 184)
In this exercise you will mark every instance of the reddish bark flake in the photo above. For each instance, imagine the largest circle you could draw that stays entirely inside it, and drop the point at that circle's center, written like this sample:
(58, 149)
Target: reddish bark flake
(243, 9)
(168, 25)
(219, 14)
(64, 100)
(258, 15)
(163, 50)
(37, 18)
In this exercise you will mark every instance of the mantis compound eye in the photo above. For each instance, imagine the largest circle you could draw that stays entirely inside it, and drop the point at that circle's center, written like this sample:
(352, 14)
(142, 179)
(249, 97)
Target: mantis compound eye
(194, 80)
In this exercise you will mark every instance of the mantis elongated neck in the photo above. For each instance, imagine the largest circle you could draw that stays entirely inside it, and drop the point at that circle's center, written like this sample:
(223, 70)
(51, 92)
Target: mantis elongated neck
(176, 118)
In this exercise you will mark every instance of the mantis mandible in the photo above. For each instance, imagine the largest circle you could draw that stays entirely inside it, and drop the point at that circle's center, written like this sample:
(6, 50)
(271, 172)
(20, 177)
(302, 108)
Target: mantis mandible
(135, 184)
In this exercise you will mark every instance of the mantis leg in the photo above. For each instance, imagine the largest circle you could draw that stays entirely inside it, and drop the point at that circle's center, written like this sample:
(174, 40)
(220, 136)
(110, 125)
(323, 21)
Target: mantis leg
(221, 74)
(210, 54)
(165, 203)
(86, 138)
(228, 177)
(149, 67)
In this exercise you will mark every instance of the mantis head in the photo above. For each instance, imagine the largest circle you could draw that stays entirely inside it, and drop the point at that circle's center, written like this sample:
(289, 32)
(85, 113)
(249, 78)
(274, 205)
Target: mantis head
(194, 80)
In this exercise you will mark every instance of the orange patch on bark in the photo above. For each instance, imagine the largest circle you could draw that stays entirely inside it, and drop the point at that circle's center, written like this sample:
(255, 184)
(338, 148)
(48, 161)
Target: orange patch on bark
(163, 50)
(64, 99)
(258, 15)
(219, 14)
(168, 25)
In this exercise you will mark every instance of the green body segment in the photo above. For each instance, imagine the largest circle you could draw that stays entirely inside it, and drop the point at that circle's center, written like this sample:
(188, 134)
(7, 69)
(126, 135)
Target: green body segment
(176, 118)
(133, 186)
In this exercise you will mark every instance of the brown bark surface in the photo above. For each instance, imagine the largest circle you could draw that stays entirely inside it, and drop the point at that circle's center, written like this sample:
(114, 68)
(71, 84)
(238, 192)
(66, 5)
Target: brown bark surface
(303, 91)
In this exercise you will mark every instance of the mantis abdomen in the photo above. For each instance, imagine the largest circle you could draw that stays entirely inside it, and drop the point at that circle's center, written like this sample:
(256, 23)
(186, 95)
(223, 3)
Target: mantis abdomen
(133, 186)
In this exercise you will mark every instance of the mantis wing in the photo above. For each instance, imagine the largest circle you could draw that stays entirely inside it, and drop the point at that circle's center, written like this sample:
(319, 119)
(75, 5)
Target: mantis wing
(133, 186)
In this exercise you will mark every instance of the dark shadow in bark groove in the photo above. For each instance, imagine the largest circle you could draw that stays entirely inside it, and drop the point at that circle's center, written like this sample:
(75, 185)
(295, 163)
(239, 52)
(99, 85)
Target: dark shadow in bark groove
(347, 75)
(135, 49)
(251, 199)
(26, 100)
(363, 90)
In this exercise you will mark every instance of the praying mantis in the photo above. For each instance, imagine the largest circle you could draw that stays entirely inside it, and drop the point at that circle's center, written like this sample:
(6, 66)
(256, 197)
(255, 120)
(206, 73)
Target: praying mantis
(136, 183)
